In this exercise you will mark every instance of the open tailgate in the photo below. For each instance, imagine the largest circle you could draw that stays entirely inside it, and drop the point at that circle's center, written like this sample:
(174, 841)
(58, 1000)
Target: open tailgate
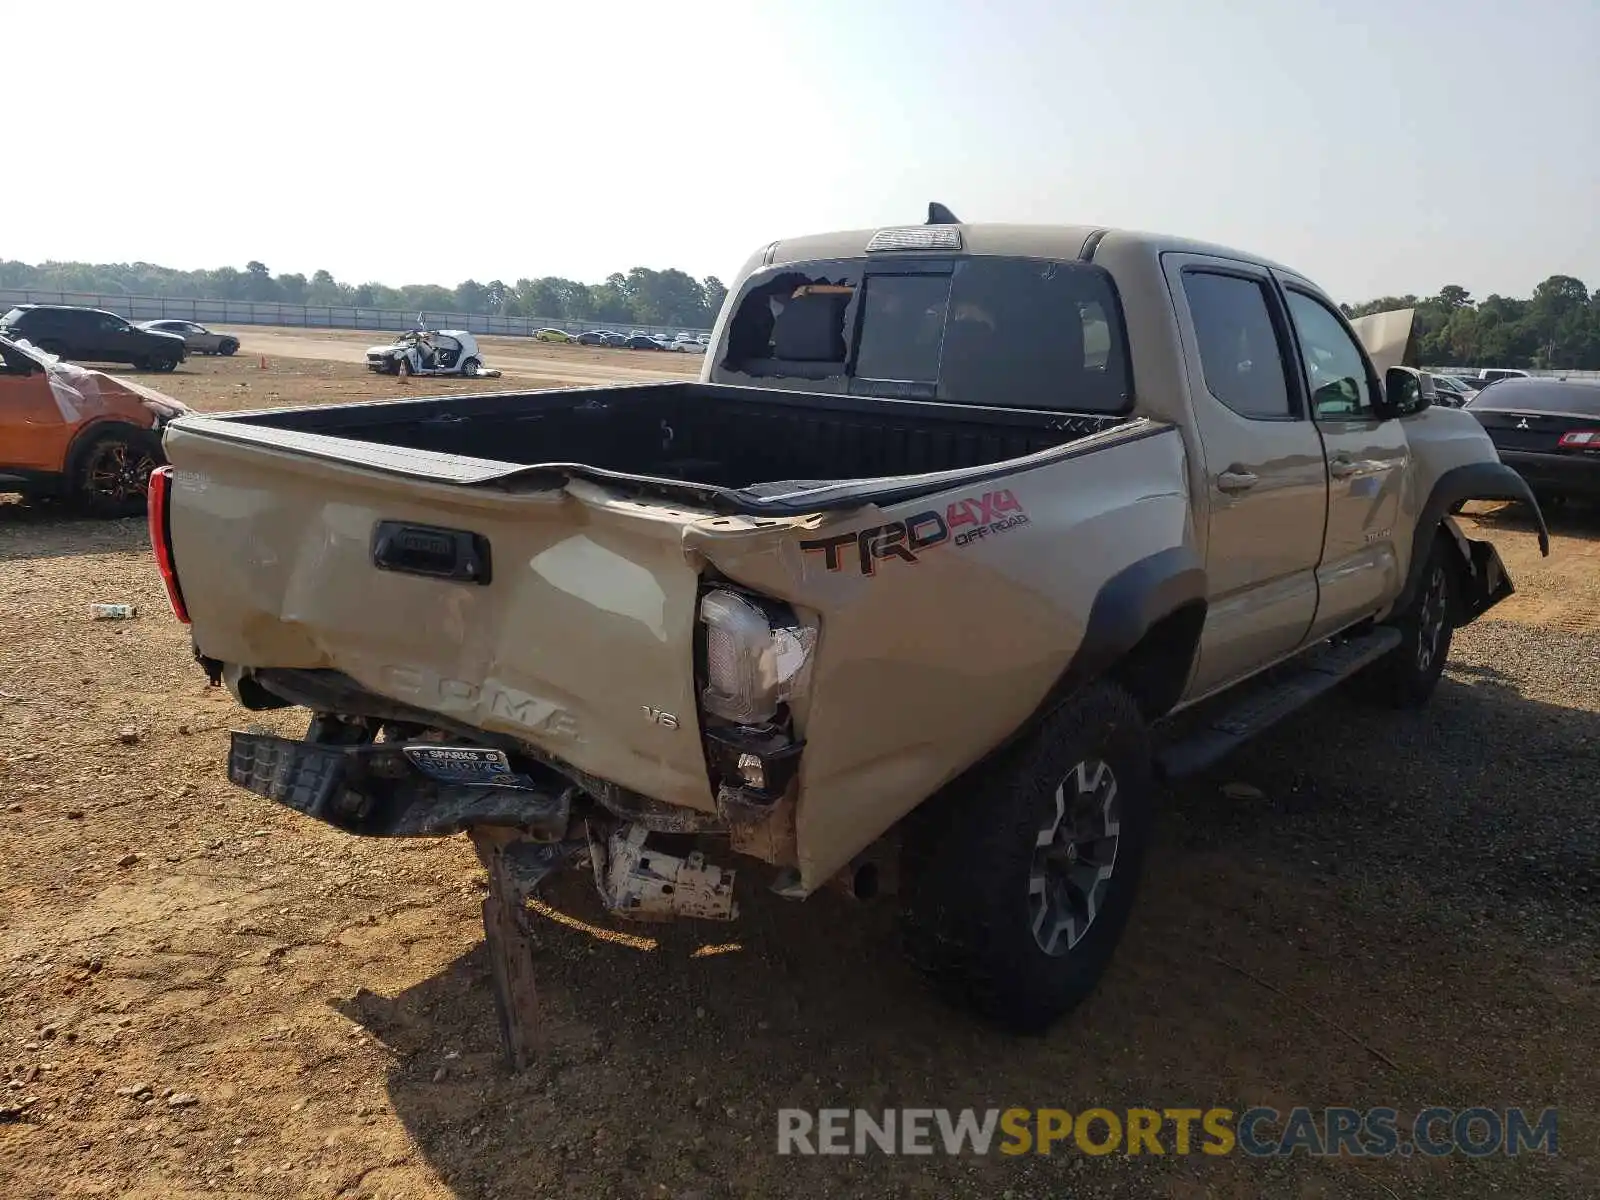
(564, 617)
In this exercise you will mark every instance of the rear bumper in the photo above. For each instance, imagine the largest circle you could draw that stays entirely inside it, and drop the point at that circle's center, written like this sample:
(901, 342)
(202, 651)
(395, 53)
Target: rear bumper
(377, 791)
(1569, 474)
(372, 789)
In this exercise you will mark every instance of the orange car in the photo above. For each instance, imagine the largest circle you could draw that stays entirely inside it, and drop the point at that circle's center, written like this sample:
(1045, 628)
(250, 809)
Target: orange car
(82, 435)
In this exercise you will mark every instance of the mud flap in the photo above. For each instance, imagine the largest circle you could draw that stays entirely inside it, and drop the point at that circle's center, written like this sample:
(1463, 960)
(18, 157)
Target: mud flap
(1487, 583)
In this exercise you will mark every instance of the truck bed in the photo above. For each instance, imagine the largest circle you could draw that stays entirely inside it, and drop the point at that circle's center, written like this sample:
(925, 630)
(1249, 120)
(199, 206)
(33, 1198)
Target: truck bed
(739, 447)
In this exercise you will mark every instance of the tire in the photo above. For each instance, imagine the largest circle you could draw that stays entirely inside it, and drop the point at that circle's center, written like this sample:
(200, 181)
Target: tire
(995, 918)
(111, 474)
(166, 365)
(1407, 675)
(470, 367)
(228, 347)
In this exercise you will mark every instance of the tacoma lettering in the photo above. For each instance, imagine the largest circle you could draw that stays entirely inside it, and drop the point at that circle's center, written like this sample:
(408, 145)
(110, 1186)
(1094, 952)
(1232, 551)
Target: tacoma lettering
(458, 695)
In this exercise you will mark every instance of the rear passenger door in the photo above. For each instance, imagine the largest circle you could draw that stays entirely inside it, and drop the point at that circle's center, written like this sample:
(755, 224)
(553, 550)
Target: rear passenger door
(1360, 568)
(106, 338)
(1266, 494)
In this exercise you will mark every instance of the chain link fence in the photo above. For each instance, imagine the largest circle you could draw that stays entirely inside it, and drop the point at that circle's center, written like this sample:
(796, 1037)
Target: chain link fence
(314, 316)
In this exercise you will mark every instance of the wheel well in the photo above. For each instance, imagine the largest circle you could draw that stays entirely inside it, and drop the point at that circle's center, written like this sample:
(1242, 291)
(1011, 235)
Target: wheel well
(90, 436)
(1157, 668)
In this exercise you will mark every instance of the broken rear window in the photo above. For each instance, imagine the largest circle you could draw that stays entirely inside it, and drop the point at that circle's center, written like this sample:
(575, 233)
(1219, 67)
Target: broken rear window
(1011, 332)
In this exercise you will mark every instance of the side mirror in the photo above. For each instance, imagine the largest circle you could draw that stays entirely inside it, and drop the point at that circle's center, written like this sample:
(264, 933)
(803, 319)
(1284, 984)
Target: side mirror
(1403, 394)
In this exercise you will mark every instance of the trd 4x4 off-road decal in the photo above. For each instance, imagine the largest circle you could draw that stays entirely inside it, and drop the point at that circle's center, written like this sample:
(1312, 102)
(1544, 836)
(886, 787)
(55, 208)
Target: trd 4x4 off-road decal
(961, 523)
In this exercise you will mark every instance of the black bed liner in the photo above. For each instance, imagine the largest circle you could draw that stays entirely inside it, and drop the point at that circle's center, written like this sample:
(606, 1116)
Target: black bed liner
(736, 449)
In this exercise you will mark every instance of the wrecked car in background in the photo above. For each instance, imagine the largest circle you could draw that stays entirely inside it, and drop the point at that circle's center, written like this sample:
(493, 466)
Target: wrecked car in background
(77, 434)
(898, 596)
(430, 352)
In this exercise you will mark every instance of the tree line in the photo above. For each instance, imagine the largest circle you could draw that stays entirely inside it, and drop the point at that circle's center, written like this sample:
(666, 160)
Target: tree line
(1556, 328)
(642, 296)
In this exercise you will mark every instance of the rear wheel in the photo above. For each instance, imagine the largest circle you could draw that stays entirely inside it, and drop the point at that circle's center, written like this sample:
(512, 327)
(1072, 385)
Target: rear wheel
(228, 347)
(113, 473)
(1020, 888)
(470, 367)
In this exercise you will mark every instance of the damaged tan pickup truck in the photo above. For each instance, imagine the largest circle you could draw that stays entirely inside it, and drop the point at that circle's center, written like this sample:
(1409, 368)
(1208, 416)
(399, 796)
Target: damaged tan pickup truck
(904, 592)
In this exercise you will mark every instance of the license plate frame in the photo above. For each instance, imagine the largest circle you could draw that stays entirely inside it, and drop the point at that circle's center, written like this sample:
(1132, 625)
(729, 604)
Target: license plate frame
(473, 766)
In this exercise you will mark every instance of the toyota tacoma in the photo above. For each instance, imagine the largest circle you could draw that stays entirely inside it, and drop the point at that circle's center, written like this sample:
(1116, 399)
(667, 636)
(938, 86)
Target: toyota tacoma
(967, 537)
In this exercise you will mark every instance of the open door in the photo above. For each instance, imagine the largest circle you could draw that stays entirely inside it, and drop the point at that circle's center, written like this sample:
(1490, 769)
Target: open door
(1389, 337)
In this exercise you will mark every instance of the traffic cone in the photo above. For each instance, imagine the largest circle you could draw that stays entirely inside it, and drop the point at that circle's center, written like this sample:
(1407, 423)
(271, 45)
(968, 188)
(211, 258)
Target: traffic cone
(263, 366)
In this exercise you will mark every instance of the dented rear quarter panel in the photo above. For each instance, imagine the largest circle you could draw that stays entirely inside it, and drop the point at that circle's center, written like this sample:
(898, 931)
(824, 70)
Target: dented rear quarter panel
(923, 667)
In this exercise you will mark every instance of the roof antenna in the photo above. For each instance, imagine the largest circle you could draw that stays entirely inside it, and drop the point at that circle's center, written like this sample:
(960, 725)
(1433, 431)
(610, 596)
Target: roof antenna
(938, 214)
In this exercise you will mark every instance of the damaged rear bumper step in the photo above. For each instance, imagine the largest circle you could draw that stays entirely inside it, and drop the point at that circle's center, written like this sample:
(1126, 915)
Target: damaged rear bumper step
(399, 789)
(394, 789)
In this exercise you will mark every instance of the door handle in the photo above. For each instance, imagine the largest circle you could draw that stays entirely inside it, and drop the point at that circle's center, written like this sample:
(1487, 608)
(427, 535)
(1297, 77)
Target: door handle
(1344, 468)
(1236, 481)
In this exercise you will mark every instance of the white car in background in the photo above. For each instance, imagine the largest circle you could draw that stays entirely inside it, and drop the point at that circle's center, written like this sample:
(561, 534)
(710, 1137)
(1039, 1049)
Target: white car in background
(430, 352)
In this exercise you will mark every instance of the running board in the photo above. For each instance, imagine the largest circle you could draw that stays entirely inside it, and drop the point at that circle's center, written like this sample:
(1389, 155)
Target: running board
(1264, 704)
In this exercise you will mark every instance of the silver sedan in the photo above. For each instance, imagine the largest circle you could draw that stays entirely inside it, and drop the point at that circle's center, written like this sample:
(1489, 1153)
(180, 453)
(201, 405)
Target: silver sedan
(197, 338)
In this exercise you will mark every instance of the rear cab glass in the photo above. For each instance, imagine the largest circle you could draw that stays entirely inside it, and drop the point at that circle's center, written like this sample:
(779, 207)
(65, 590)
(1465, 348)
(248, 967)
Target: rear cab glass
(1530, 395)
(980, 330)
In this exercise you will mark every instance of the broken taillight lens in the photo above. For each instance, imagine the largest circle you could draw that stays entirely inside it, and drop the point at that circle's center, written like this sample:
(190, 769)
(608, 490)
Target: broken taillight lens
(156, 508)
(1581, 439)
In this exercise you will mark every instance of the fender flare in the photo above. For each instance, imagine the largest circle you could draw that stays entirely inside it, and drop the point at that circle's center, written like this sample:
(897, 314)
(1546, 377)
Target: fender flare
(1128, 605)
(1472, 481)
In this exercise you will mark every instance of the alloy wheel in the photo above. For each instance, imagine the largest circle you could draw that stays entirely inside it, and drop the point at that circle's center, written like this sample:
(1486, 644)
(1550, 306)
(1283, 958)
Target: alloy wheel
(118, 473)
(1430, 620)
(1075, 856)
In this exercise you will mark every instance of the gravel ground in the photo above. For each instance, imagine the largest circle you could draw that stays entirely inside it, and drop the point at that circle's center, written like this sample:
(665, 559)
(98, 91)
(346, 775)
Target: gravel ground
(1486, 800)
(1395, 909)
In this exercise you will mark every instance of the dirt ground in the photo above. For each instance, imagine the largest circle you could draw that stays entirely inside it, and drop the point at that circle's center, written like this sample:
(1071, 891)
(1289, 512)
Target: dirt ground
(325, 366)
(202, 994)
(518, 358)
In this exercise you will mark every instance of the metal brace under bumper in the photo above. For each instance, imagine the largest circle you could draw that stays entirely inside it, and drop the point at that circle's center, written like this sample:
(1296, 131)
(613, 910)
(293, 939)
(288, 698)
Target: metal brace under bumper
(642, 883)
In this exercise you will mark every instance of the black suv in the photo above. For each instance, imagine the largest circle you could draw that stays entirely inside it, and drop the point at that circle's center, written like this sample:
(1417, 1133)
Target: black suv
(92, 335)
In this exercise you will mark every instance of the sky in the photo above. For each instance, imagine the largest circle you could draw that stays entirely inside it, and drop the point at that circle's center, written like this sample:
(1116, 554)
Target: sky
(1379, 148)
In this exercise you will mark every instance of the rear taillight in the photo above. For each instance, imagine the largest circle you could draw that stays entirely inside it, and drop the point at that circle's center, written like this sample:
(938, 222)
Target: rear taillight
(1581, 439)
(157, 510)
